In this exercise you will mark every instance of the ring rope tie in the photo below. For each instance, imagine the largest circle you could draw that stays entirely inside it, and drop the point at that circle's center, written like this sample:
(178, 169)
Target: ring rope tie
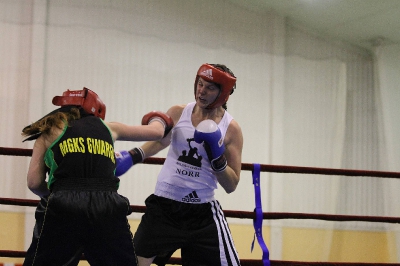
(258, 220)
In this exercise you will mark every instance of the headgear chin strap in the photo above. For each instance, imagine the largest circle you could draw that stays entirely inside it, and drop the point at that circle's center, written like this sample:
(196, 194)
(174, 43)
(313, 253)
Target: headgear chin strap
(87, 99)
(223, 79)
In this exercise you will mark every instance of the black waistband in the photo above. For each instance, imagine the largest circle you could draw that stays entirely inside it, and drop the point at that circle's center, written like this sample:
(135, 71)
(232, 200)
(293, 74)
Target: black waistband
(92, 184)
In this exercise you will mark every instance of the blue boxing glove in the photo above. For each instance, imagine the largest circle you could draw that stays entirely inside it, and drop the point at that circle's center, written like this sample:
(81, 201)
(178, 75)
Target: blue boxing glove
(124, 160)
(208, 133)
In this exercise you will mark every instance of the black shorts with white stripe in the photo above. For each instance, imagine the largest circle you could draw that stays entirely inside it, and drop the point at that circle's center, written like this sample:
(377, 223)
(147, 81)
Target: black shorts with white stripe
(199, 230)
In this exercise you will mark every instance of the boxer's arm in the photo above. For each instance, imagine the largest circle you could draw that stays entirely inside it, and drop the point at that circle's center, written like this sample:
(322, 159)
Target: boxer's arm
(154, 126)
(126, 132)
(126, 159)
(153, 147)
(36, 177)
(230, 177)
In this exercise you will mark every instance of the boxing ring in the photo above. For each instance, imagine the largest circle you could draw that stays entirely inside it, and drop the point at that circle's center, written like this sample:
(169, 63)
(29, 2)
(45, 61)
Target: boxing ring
(244, 214)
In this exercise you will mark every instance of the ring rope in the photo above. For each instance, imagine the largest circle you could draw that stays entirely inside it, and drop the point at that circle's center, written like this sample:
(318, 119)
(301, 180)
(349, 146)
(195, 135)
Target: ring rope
(243, 214)
(244, 262)
(249, 166)
(250, 215)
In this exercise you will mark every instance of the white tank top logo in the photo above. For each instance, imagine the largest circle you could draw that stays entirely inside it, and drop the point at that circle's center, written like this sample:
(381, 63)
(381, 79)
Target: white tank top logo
(192, 156)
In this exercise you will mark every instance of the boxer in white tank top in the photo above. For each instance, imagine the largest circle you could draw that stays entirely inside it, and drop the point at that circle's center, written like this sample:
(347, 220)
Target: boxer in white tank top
(183, 213)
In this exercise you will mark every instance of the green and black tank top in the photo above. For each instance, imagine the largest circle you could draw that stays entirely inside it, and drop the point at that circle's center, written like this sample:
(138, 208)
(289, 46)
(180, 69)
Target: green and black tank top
(83, 151)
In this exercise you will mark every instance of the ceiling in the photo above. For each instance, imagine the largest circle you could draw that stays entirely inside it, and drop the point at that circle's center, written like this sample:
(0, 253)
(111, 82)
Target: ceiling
(365, 23)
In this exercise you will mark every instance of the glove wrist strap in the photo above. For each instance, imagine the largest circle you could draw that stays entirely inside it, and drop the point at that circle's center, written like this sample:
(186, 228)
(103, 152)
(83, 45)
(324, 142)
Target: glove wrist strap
(137, 155)
(219, 164)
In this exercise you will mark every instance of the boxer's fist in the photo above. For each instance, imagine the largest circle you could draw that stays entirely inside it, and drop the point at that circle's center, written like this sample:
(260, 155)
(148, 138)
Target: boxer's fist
(208, 133)
(124, 160)
(163, 118)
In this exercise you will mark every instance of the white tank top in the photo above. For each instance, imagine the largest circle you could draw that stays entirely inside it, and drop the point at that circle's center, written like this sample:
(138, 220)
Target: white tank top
(187, 175)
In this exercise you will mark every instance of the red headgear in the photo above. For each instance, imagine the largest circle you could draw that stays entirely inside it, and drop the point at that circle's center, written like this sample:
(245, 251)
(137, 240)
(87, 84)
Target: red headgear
(215, 75)
(85, 98)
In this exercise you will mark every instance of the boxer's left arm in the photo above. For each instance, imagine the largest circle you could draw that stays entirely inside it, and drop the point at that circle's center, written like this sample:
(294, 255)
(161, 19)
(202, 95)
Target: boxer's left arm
(129, 158)
(36, 177)
(155, 125)
(151, 148)
(233, 141)
(121, 131)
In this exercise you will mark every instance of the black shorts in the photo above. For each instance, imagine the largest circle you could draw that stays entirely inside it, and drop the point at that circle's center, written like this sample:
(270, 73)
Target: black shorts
(199, 230)
(69, 223)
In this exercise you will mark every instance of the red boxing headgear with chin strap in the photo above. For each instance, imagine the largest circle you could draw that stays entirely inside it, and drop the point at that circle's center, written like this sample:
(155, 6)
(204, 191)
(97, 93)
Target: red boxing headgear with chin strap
(223, 79)
(87, 99)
